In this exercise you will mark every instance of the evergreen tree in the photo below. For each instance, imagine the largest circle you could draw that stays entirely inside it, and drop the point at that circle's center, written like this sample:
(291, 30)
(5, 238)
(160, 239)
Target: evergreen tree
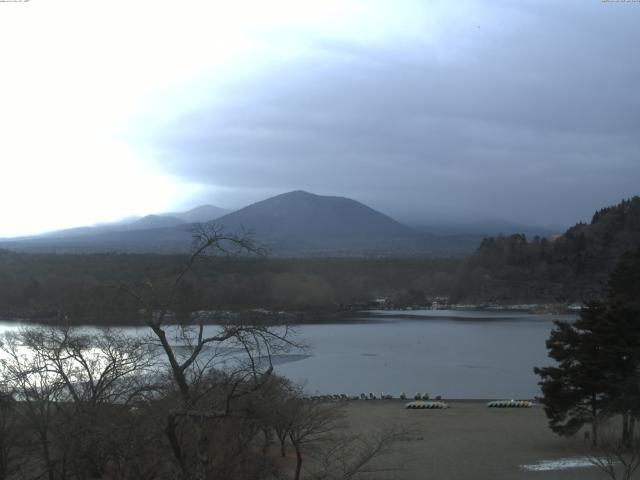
(598, 359)
(621, 339)
(574, 392)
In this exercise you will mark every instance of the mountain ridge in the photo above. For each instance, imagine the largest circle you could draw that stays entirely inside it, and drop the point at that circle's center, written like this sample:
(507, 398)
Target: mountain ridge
(201, 213)
(296, 223)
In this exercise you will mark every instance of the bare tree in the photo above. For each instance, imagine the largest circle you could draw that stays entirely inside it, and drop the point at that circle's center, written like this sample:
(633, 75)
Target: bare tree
(38, 392)
(349, 457)
(102, 373)
(310, 424)
(283, 415)
(11, 434)
(212, 368)
(617, 455)
(105, 367)
(188, 401)
(316, 431)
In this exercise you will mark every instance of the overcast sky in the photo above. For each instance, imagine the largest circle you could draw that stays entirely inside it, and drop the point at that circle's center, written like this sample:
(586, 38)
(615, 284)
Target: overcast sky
(520, 110)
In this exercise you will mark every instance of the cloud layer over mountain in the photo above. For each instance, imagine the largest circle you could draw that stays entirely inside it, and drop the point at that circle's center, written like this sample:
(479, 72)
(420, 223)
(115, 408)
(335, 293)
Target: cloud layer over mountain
(522, 110)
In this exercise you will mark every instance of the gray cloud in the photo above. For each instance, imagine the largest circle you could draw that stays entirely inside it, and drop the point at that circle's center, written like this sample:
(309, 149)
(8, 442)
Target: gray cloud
(531, 113)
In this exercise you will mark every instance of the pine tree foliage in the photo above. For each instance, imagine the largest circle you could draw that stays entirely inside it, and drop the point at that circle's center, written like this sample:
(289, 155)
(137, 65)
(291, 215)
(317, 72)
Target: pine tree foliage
(598, 358)
(573, 391)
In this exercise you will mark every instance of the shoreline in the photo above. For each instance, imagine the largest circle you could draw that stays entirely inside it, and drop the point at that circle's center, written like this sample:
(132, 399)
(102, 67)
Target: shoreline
(315, 318)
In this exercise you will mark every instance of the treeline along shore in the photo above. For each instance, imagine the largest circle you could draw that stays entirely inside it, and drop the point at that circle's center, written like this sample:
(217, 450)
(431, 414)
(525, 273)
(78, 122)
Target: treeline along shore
(87, 287)
(504, 270)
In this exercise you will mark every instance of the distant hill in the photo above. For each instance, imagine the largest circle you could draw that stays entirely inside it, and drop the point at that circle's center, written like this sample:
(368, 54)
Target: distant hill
(152, 221)
(292, 224)
(202, 214)
(303, 223)
(569, 267)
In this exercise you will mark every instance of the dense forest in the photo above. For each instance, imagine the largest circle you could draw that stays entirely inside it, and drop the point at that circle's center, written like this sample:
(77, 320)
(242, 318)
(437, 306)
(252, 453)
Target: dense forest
(86, 288)
(572, 267)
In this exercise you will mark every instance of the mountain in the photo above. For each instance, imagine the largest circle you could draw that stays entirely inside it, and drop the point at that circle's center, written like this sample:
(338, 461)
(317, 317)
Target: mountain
(152, 221)
(303, 223)
(292, 224)
(132, 223)
(202, 214)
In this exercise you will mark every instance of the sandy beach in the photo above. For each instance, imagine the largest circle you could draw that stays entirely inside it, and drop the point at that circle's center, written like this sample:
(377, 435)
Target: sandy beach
(469, 440)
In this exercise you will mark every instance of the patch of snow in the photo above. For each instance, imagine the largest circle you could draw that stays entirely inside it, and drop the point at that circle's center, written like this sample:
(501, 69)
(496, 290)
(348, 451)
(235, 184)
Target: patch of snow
(558, 464)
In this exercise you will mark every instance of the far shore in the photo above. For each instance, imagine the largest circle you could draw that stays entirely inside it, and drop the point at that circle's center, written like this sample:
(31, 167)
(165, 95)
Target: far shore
(215, 317)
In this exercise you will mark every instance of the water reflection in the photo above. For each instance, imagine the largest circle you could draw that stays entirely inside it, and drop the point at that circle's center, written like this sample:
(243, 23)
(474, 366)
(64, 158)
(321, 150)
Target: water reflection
(456, 354)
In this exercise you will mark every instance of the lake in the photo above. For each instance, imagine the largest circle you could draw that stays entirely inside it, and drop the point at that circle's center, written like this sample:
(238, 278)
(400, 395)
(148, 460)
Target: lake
(455, 354)
(452, 353)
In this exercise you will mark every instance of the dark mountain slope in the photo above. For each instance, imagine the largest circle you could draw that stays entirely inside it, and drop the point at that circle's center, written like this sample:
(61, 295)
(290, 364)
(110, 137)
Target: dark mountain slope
(303, 223)
(301, 212)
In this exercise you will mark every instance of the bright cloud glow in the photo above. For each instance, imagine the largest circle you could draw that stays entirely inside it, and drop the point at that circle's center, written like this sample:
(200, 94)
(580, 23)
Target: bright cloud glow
(78, 75)
(110, 109)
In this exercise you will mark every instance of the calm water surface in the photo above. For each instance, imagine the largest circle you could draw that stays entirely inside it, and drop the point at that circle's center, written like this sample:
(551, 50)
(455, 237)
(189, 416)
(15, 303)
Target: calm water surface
(456, 354)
